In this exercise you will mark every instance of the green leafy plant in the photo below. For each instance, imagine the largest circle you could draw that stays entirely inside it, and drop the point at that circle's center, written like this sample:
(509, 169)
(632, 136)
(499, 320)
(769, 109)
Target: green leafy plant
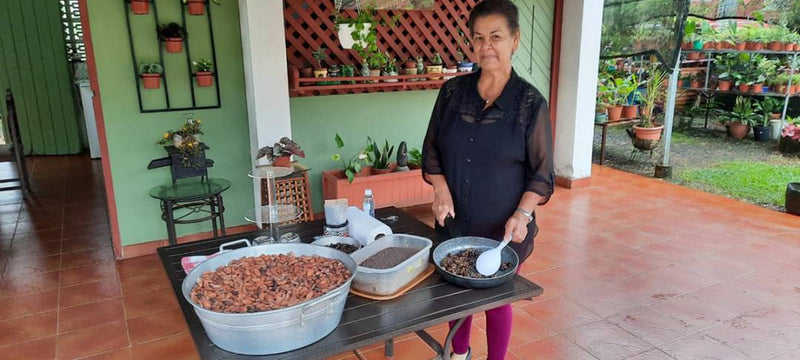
(654, 92)
(767, 106)
(414, 157)
(150, 68)
(626, 89)
(320, 55)
(383, 157)
(203, 65)
(391, 65)
(186, 141)
(354, 164)
(743, 111)
(171, 31)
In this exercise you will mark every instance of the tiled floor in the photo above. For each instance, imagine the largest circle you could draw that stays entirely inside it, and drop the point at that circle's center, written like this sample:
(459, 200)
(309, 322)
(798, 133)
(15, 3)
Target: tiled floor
(633, 268)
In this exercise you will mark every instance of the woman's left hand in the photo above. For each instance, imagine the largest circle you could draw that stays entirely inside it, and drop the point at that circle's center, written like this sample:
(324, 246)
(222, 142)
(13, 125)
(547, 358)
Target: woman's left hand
(517, 224)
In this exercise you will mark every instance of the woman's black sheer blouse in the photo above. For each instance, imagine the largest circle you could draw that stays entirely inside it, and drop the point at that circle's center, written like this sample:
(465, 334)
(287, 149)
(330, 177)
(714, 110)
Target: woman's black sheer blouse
(490, 157)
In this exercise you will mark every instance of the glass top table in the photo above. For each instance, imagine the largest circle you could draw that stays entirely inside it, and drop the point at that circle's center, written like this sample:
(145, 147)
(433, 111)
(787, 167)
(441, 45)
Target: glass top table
(190, 189)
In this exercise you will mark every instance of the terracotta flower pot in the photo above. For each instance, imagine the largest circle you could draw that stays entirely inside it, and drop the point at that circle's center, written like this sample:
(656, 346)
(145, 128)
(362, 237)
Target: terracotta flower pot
(758, 46)
(695, 84)
(174, 45)
(365, 171)
(204, 78)
(196, 7)
(719, 45)
(614, 113)
(788, 47)
(708, 45)
(757, 88)
(630, 111)
(643, 133)
(775, 116)
(693, 56)
(776, 46)
(282, 161)
(140, 7)
(781, 89)
(750, 45)
(739, 130)
(725, 85)
(151, 81)
(686, 46)
(741, 46)
(307, 72)
(795, 89)
(744, 88)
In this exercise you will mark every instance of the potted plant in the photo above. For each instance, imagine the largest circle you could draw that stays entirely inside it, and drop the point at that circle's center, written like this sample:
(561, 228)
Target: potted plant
(151, 75)
(197, 7)
(320, 55)
(187, 142)
(390, 69)
(435, 67)
(280, 155)
(358, 165)
(376, 61)
(742, 117)
(414, 159)
(140, 7)
(172, 35)
(203, 72)
(761, 130)
(766, 69)
(614, 100)
(790, 137)
(697, 80)
(628, 90)
(779, 82)
(357, 30)
(410, 66)
(464, 65)
(647, 129)
(381, 164)
(604, 98)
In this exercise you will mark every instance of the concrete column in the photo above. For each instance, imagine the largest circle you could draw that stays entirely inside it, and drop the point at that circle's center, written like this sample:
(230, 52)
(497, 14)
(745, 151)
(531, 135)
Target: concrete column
(577, 86)
(265, 71)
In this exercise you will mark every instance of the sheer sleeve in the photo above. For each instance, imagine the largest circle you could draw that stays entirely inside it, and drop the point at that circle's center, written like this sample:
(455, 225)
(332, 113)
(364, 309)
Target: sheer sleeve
(430, 153)
(540, 174)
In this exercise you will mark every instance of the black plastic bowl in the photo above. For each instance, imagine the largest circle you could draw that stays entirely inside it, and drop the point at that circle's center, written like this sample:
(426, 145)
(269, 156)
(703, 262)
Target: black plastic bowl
(459, 244)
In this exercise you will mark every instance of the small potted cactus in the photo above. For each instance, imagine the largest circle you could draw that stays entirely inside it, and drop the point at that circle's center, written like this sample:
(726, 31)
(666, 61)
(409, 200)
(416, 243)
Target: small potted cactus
(151, 75)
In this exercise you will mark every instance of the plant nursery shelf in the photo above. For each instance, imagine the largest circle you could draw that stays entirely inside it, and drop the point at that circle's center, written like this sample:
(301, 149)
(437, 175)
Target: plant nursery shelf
(363, 84)
(730, 51)
(735, 92)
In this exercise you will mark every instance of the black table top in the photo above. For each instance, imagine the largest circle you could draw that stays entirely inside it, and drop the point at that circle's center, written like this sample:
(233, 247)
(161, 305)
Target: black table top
(364, 321)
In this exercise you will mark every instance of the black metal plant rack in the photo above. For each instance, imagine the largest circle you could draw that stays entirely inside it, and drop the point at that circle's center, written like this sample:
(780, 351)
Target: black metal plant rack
(187, 52)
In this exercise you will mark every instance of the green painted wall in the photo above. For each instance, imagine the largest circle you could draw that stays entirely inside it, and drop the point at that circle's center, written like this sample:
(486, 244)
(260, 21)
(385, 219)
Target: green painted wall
(132, 135)
(33, 63)
(402, 115)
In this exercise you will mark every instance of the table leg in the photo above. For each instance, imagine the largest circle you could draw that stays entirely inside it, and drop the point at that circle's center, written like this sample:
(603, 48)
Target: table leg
(603, 145)
(388, 348)
(212, 204)
(170, 222)
(221, 210)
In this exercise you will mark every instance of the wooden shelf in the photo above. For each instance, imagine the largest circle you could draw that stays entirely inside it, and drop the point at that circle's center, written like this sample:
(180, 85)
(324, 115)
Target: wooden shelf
(299, 86)
(765, 52)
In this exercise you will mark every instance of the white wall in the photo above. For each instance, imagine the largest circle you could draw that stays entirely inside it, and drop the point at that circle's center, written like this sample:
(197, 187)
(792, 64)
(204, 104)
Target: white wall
(577, 85)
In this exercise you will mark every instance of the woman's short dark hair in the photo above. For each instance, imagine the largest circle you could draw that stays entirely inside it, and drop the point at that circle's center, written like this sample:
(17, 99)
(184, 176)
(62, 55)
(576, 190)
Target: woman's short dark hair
(504, 8)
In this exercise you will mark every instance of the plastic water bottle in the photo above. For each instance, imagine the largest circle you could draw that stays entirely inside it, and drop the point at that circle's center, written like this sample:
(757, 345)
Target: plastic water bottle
(369, 203)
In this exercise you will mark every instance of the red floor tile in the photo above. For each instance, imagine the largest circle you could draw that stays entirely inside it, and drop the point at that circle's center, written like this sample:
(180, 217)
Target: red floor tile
(156, 326)
(27, 328)
(41, 349)
(560, 313)
(178, 347)
(84, 316)
(606, 341)
(85, 342)
(149, 302)
(556, 347)
(88, 273)
(18, 306)
(89, 292)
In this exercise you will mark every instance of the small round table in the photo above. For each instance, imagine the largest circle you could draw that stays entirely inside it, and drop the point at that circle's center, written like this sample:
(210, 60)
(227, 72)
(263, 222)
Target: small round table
(194, 195)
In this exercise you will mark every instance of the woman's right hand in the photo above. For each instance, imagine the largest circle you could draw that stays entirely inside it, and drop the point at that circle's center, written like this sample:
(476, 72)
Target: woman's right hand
(443, 205)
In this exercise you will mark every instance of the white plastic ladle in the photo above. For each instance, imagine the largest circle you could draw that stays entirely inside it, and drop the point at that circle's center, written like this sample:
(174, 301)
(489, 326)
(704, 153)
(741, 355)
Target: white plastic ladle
(489, 261)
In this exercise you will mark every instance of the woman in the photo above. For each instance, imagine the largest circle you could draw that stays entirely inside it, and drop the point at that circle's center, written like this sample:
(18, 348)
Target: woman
(488, 154)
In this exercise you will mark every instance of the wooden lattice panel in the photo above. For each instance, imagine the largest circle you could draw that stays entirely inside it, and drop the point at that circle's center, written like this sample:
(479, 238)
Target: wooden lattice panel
(309, 25)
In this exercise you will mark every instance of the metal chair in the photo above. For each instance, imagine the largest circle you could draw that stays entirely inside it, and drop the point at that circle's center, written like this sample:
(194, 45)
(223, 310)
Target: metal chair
(14, 151)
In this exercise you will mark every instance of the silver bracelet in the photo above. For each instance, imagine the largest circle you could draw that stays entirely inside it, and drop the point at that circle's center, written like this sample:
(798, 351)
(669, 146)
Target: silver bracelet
(527, 214)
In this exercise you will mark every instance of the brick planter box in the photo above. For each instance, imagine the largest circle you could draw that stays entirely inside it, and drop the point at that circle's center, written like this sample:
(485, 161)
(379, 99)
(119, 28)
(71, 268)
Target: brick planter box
(399, 189)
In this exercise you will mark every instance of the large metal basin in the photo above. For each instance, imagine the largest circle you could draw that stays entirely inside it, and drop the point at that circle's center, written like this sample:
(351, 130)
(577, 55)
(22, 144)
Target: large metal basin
(274, 331)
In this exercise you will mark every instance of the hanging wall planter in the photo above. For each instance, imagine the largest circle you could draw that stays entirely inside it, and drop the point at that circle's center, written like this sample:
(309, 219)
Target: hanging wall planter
(172, 35)
(196, 7)
(346, 35)
(140, 7)
(204, 78)
(151, 81)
